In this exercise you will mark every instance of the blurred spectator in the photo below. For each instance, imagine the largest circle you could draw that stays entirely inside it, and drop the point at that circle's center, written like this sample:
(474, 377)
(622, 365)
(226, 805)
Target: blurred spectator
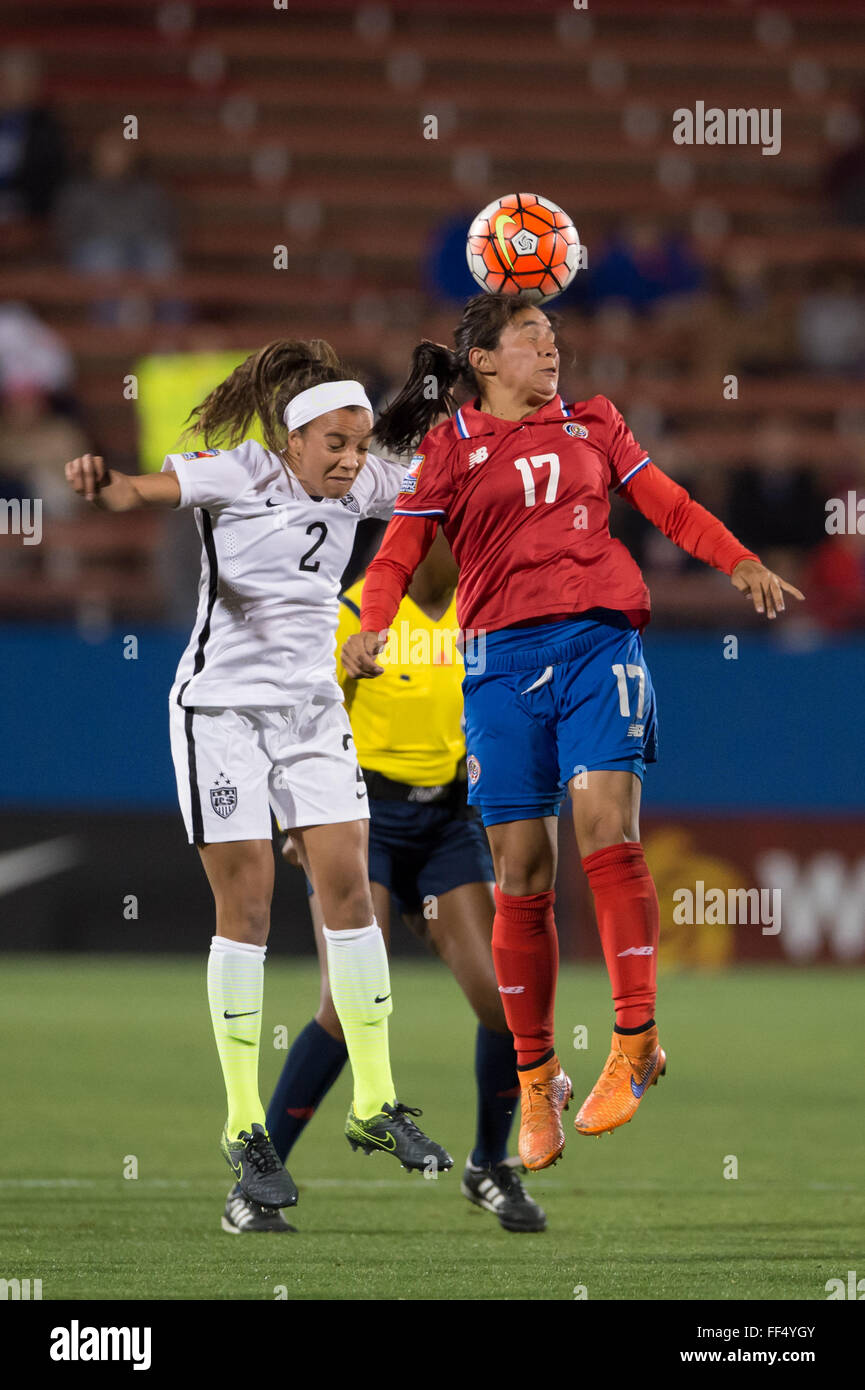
(775, 501)
(642, 266)
(845, 177)
(32, 352)
(118, 219)
(831, 323)
(834, 583)
(35, 443)
(754, 328)
(32, 148)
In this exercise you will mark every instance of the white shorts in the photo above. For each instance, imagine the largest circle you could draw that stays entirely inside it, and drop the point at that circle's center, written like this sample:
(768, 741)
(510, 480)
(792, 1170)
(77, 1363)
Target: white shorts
(234, 765)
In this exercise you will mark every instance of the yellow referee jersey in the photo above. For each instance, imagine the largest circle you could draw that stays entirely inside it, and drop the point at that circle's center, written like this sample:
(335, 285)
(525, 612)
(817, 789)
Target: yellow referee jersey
(408, 722)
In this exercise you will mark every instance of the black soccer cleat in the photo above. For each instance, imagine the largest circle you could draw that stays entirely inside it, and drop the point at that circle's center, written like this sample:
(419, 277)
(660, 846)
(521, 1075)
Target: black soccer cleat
(257, 1169)
(391, 1131)
(242, 1216)
(498, 1189)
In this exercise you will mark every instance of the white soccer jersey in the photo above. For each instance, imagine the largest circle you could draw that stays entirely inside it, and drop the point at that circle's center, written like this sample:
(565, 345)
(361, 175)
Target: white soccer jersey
(272, 559)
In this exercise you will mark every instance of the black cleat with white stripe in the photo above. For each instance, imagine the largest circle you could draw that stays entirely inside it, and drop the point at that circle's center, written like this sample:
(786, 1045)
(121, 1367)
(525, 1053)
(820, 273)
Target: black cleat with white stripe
(242, 1216)
(498, 1189)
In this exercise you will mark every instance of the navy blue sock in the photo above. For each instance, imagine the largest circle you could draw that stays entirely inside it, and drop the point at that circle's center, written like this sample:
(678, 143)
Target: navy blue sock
(498, 1091)
(314, 1062)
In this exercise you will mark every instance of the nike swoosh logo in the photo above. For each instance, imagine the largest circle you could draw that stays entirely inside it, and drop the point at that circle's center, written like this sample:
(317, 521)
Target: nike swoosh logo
(382, 1145)
(638, 1090)
(248, 1014)
(273, 502)
(380, 998)
(20, 867)
(502, 221)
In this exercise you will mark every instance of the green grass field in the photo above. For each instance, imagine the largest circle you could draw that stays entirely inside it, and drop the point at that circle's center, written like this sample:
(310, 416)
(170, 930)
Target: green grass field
(109, 1057)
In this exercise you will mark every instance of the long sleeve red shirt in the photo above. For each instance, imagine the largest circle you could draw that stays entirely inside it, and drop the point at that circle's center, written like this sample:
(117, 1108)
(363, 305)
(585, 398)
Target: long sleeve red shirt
(525, 508)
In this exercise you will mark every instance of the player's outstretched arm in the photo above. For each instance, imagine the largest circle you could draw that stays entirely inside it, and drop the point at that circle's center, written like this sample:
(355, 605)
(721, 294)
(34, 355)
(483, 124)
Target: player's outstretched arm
(762, 587)
(694, 529)
(406, 542)
(112, 491)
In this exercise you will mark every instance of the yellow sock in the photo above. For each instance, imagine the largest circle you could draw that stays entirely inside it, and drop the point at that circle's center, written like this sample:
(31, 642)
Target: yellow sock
(360, 988)
(235, 989)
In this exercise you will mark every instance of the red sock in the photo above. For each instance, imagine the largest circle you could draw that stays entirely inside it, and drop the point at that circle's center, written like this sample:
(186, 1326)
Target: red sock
(526, 959)
(626, 906)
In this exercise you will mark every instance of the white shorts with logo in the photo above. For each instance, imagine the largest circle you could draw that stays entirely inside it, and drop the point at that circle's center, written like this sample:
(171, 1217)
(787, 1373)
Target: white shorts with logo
(234, 766)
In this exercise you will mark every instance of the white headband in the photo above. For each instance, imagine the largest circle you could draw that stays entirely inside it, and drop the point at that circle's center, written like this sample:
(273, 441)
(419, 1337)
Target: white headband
(318, 400)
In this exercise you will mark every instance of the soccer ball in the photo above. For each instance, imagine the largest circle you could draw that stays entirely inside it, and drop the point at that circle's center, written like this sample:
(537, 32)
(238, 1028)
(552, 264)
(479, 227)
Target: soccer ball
(523, 244)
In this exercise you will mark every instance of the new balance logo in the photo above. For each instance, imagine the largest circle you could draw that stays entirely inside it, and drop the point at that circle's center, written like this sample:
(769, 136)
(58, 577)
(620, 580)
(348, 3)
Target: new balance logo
(478, 456)
(636, 730)
(637, 951)
(512, 989)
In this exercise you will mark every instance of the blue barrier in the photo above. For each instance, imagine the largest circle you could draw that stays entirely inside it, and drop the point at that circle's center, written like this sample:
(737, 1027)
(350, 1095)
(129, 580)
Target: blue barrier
(776, 729)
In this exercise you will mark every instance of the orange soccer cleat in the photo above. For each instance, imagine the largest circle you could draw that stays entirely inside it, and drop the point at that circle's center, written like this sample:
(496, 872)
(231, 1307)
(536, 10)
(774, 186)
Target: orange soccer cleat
(635, 1063)
(545, 1092)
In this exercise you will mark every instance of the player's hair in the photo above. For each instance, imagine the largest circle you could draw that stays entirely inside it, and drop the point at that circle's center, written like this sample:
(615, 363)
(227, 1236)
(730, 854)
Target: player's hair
(436, 370)
(261, 387)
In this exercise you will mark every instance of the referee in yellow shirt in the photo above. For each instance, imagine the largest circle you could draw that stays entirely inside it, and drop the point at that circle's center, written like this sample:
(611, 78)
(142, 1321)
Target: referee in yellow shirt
(428, 850)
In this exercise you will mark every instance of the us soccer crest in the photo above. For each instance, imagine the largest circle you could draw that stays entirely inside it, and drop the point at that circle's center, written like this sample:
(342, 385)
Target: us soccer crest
(223, 798)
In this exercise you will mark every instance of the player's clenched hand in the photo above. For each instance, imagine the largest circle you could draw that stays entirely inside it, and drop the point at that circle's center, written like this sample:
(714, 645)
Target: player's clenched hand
(86, 475)
(765, 589)
(359, 652)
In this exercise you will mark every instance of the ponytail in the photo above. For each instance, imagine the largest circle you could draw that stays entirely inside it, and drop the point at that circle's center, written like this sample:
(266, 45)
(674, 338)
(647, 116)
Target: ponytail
(426, 394)
(261, 388)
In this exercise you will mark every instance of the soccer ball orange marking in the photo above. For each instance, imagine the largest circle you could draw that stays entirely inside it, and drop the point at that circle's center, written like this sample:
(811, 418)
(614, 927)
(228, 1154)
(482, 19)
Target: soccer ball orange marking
(523, 244)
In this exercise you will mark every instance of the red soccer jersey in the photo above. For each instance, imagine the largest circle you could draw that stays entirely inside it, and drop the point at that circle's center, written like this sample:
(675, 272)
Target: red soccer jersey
(525, 508)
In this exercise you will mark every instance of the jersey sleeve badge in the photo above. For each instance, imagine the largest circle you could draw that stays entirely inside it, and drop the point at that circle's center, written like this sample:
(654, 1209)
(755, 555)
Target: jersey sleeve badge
(201, 454)
(409, 482)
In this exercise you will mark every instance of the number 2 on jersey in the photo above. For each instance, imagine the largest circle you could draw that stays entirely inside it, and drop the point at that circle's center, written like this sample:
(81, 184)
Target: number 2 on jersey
(525, 466)
(321, 527)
